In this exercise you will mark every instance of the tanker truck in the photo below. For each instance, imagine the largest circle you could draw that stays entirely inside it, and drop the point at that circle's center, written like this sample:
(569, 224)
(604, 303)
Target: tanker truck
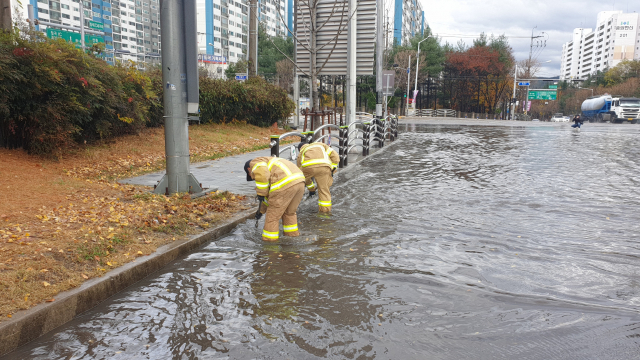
(613, 109)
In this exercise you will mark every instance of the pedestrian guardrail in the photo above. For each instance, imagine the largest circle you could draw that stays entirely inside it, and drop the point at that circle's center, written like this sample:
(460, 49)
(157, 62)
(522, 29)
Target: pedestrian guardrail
(367, 128)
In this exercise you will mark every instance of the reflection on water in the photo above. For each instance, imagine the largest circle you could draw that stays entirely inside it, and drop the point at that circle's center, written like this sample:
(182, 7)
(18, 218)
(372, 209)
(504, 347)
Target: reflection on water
(454, 242)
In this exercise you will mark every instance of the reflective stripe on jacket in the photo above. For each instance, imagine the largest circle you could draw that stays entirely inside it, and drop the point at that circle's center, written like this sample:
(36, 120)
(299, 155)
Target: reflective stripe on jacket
(318, 154)
(273, 174)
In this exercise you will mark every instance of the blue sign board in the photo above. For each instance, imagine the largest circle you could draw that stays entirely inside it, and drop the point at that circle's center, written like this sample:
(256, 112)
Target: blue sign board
(408, 71)
(241, 77)
(524, 84)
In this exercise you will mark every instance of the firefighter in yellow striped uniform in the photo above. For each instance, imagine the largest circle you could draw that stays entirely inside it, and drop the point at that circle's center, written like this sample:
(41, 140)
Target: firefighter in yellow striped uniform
(318, 161)
(280, 188)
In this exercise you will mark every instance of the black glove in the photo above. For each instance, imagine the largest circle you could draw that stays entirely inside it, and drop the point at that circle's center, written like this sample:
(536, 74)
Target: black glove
(258, 215)
(260, 198)
(312, 193)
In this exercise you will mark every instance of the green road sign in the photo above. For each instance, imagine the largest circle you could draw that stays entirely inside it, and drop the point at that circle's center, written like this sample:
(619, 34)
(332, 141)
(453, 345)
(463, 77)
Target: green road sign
(73, 37)
(553, 86)
(96, 25)
(542, 94)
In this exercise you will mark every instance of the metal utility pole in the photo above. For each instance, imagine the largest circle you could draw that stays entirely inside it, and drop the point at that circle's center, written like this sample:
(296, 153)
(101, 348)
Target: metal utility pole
(351, 62)
(5, 15)
(180, 96)
(513, 99)
(252, 67)
(82, 25)
(408, 79)
(379, 53)
(531, 50)
(296, 80)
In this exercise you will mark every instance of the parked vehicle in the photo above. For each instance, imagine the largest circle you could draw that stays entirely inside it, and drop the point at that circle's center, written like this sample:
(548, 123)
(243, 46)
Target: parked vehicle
(614, 109)
(566, 118)
(557, 118)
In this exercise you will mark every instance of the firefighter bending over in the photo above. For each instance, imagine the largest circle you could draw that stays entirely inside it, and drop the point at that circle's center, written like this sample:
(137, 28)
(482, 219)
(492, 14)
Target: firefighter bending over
(318, 161)
(280, 188)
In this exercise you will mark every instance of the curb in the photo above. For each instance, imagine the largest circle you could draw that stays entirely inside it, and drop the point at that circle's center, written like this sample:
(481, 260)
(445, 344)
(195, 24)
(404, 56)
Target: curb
(28, 325)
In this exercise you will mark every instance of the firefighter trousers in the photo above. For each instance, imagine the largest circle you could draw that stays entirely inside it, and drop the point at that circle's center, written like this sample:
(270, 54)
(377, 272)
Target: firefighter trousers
(283, 204)
(324, 180)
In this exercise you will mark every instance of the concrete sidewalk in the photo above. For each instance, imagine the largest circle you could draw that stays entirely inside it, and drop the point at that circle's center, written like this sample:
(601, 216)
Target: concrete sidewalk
(224, 174)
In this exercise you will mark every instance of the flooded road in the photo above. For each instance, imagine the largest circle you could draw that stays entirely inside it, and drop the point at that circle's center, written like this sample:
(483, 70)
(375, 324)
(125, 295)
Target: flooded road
(455, 242)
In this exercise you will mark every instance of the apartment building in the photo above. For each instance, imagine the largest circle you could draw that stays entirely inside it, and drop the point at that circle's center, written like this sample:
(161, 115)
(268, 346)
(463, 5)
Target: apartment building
(615, 38)
(131, 27)
(223, 27)
(408, 20)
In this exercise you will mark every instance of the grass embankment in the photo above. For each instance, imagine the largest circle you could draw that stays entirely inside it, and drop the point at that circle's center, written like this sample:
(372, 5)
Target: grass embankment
(63, 222)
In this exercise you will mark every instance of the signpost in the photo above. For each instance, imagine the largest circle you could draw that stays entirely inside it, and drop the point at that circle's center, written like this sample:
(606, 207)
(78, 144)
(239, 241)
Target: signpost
(542, 94)
(241, 77)
(96, 25)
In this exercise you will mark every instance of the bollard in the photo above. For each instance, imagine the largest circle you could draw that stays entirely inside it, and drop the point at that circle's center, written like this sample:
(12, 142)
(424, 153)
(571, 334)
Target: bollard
(341, 149)
(275, 145)
(366, 135)
(345, 130)
(381, 135)
(308, 139)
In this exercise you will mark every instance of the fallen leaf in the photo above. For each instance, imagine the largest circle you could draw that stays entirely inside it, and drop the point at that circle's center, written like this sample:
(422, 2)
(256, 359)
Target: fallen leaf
(84, 276)
(108, 263)
(140, 253)
(45, 283)
(50, 300)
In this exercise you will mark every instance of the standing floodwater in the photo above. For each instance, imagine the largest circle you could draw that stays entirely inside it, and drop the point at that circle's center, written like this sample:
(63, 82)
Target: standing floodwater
(455, 242)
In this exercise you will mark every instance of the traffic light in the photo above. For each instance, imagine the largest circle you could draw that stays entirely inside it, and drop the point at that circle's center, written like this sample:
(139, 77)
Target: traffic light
(404, 95)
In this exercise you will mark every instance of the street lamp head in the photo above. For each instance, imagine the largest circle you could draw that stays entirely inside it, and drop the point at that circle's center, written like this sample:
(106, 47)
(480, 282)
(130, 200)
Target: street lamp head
(210, 44)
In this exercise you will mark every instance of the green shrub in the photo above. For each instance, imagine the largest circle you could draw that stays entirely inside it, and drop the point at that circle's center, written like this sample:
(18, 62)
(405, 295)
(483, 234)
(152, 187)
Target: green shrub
(53, 94)
(255, 101)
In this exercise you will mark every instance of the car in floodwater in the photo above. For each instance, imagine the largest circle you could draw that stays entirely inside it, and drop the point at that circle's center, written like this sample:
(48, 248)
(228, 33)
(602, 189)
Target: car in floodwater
(557, 118)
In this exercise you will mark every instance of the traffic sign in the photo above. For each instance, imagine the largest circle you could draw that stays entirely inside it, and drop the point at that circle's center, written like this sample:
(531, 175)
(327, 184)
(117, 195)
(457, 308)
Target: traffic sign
(408, 70)
(543, 94)
(241, 77)
(96, 25)
(553, 86)
(524, 84)
(73, 37)
(388, 82)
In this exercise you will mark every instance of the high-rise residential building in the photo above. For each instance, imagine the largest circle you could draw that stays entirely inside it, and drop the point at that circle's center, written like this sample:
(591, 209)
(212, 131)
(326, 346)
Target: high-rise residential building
(223, 27)
(615, 39)
(131, 27)
(408, 20)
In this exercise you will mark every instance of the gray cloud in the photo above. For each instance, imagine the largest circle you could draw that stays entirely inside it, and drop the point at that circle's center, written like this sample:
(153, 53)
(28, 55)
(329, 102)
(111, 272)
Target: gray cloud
(516, 18)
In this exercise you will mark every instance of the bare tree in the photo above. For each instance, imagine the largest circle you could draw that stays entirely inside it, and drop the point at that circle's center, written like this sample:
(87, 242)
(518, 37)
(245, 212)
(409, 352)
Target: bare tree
(285, 71)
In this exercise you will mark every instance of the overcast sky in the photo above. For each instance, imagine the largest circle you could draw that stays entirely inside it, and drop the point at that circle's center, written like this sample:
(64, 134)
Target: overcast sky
(516, 18)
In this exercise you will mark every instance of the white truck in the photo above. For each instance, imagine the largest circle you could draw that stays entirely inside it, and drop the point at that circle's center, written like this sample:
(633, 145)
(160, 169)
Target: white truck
(613, 109)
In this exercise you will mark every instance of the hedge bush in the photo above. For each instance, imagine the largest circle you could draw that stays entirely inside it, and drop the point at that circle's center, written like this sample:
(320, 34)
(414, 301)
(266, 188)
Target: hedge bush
(255, 101)
(53, 95)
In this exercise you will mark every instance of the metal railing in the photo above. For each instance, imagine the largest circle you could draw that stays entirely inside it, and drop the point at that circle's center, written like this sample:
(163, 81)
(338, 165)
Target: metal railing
(367, 128)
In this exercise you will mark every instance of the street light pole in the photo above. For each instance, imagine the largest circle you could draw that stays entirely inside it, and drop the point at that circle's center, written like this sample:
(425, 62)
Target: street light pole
(513, 105)
(415, 85)
(408, 82)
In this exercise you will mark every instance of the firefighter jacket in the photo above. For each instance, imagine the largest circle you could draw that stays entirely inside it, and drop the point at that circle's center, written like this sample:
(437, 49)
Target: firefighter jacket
(318, 154)
(274, 174)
